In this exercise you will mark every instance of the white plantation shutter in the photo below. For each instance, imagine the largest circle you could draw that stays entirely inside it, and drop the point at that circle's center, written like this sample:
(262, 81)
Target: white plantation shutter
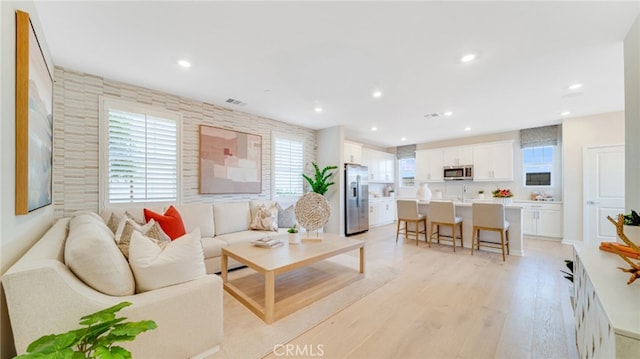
(142, 156)
(288, 167)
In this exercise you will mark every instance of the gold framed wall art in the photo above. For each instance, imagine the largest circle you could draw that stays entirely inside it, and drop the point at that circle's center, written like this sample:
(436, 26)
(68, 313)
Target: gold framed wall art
(34, 120)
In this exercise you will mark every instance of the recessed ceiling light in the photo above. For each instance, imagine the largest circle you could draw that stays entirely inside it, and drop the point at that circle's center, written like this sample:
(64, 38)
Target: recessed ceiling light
(318, 109)
(403, 139)
(468, 58)
(448, 113)
(565, 113)
(467, 128)
(184, 63)
(376, 94)
(374, 128)
(575, 86)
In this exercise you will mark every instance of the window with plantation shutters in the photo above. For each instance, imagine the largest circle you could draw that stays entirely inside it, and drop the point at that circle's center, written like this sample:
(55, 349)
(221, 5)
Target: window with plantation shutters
(141, 150)
(288, 166)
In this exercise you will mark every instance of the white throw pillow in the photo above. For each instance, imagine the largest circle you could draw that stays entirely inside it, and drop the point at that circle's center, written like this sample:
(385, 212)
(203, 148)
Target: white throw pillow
(181, 260)
(92, 255)
(266, 219)
(151, 230)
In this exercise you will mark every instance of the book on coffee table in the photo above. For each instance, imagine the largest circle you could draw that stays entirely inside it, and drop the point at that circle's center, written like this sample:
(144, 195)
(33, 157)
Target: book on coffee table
(267, 242)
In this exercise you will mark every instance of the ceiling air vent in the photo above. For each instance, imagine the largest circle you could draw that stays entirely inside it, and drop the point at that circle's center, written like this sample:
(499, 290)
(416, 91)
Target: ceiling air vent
(431, 115)
(235, 102)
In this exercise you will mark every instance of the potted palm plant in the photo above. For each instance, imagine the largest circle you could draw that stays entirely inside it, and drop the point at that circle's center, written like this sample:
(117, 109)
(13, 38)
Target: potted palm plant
(320, 183)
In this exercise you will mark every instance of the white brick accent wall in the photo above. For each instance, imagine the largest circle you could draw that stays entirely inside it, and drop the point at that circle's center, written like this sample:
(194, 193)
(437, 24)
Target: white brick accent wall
(75, 138)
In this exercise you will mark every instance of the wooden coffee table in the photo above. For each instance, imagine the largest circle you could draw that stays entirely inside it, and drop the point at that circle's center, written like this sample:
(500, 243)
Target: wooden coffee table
(274, 261)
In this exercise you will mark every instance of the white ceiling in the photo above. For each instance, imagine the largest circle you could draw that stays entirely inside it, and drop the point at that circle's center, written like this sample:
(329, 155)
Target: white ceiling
(285, 58)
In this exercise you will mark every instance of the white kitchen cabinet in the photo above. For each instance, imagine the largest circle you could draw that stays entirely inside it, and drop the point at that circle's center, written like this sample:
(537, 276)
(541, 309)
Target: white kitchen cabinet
(457, 156)
(542, 219)
(381, 211)
(493, 161)
(429, 166)
(381, 165)
(352, 152)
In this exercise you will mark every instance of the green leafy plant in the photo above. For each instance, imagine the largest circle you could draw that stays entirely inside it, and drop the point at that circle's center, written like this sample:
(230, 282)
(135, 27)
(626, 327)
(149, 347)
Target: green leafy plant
(293, 229)
(102, 330)
(320, 183)
(481, 191)
(632, 219)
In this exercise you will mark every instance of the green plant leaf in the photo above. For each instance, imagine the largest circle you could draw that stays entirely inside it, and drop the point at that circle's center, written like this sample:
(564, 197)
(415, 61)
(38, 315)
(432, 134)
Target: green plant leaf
(54, 342)
(103, 315)
(112, 353)
(319, 184)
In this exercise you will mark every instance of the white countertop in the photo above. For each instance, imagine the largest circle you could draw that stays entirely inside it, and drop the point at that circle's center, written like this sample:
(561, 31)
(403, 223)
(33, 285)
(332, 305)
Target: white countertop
(469, 202)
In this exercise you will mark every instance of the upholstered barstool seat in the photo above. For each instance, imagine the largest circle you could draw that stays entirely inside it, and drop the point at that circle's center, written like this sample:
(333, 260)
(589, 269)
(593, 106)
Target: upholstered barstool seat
(490, 217)
(413, 221)
(444, 214)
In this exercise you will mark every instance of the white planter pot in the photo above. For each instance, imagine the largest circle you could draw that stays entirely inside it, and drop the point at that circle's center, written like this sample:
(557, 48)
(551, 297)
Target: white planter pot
(294, 238)
(504, 200)
(633, 233)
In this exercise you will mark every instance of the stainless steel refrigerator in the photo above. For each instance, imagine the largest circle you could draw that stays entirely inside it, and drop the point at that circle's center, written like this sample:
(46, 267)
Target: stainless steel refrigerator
(356, 199)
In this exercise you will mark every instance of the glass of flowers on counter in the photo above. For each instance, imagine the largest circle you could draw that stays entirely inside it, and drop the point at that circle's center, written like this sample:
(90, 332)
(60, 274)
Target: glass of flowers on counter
(503, 195)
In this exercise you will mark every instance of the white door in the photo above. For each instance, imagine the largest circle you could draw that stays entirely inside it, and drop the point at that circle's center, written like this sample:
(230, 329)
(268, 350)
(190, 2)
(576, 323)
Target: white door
(603, 181)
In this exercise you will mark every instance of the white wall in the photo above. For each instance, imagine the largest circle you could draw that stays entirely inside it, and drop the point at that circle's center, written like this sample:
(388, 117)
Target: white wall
(17, 233)
(331, 153)
(577, 133)
(632, 116)
(76, 138)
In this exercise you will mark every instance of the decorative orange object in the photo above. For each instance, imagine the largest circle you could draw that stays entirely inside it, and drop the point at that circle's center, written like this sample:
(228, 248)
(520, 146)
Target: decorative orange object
(170, 222)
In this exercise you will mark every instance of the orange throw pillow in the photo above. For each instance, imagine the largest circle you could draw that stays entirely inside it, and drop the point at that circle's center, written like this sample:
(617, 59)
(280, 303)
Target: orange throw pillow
(171, 222)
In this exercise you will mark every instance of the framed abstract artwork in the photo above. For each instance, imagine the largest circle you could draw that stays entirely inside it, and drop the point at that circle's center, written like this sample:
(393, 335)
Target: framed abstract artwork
(230, 161)
(34, 120)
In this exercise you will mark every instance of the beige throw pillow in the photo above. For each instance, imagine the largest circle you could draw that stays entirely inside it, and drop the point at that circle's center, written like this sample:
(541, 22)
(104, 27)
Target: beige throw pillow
(266, 219)
(181, 260)
(92, 255)
(151, 230)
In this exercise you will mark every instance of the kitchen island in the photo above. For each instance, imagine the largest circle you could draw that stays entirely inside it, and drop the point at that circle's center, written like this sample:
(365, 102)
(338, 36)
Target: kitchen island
(513, 214)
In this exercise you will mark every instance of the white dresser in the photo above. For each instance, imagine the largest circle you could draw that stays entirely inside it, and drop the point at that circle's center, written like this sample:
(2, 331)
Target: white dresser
(607, 310)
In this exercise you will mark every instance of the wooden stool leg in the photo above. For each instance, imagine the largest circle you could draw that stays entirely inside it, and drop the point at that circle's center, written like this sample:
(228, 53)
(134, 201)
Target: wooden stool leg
(508, 242)
(473, 239)
(417, 223)
(453, 237)
(502, 244)
(461, 236)
(398, 229)
(430, 234)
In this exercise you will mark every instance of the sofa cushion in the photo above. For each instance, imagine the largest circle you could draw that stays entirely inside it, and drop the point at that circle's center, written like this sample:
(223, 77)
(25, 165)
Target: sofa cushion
(181, 260)
(265, 219)
(170, 222)
(151, 230)
(212, 246)
(197, 216)
(231, 217)
(255, 204)
(286, 217)
(92, 255)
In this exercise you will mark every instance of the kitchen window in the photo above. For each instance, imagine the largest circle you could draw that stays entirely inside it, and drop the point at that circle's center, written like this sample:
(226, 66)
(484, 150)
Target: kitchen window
(407, 169)
(140, 152)
(538, 165)
(288, 166)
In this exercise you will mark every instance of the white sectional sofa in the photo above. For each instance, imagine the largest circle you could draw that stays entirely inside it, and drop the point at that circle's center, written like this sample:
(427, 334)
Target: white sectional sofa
(44, 296)
(221, 224)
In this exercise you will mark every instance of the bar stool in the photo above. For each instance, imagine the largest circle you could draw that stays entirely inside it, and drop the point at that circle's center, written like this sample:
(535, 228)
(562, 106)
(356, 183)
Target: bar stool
(490, 217)
(444, 214)
(408, 213)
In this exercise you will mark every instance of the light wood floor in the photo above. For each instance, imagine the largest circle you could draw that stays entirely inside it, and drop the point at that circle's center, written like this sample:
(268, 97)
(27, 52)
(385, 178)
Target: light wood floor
(453, 305)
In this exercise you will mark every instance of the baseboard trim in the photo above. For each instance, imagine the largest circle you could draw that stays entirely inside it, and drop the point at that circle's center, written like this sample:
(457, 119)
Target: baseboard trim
(207, 353)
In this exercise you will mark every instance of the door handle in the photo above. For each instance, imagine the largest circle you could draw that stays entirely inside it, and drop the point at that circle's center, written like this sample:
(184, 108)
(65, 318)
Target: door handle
(592, 202)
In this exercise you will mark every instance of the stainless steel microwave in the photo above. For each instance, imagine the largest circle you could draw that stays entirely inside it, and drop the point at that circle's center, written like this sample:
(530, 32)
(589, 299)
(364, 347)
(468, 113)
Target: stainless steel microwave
(457, 173)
